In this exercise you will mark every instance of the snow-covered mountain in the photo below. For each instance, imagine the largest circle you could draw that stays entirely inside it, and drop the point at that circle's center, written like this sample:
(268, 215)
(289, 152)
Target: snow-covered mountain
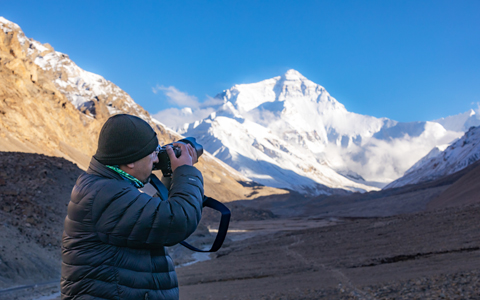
(442, 161)
(461, 122)
(288, 131)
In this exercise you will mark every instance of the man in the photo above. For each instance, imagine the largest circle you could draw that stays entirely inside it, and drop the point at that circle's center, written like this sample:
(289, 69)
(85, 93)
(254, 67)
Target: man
(115, 235)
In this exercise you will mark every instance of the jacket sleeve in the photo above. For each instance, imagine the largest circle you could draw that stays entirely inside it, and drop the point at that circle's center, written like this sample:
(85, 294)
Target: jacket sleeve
(130, 218)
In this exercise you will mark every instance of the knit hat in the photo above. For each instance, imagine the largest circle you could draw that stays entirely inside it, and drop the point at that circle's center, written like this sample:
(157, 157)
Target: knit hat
(125, 139)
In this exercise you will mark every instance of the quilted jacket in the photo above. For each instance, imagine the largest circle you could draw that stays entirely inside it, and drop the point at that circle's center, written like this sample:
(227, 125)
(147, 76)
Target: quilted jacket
(114, 239)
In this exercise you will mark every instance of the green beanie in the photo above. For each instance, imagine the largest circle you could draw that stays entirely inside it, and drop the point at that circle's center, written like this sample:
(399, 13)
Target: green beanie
(125, 139)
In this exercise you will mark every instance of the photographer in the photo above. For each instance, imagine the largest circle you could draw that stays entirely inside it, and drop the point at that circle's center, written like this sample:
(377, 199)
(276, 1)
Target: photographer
(115, 234)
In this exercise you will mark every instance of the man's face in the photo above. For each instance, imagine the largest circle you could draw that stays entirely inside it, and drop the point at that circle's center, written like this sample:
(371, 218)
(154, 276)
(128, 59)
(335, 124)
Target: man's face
(142, 169)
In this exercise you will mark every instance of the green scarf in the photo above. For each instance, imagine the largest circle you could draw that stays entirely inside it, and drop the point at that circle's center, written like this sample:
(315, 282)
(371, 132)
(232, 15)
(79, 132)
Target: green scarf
(137, 183)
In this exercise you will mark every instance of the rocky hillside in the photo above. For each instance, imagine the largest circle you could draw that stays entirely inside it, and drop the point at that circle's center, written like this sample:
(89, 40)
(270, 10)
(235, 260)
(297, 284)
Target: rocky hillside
(51, 106)
(35, 116)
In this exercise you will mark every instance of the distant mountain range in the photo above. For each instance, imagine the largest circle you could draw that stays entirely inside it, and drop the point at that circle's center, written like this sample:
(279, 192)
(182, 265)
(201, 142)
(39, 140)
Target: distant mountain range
(288, 131)
(460, 122)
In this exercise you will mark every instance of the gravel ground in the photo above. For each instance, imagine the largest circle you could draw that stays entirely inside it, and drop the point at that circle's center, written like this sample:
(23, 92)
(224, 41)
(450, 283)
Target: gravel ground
(430, 255)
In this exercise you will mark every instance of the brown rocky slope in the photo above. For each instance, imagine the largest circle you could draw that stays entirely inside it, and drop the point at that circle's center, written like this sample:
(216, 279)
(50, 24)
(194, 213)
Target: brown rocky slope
(464, 191)
(35, 116)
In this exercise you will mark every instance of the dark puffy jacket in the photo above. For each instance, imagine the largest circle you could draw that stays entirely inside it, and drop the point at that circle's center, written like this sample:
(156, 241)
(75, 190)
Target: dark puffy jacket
(114, 237)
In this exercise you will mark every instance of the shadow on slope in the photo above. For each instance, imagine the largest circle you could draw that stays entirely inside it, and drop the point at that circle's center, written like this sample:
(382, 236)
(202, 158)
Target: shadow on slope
(464, 191)
(261, 171)
(34, 194)
(402, 200)
(459, 188)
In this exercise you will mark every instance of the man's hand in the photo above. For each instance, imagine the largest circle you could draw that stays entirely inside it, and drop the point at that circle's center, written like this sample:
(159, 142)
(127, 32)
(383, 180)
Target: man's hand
(193, 153)
(188, 156)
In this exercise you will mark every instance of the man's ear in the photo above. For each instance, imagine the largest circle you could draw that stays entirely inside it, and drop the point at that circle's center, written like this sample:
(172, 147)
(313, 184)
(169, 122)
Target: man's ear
(127, 167)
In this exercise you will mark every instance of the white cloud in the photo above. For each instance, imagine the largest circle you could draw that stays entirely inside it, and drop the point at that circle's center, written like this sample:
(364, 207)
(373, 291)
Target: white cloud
(385, 161)
(189, 111)
(175, 118)
(177, 97)
(262, 117)
(212, 102)
(477, 111)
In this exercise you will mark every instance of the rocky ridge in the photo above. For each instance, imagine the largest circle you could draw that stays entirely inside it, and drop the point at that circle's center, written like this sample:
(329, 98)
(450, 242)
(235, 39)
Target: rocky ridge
(35, 116)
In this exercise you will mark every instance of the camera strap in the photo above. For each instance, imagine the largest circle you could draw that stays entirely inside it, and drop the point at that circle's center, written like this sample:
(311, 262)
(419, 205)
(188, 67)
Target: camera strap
(207, 202)
(222, 228)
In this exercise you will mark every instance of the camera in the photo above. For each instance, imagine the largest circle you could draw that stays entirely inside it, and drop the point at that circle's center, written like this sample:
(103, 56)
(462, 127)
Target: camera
(164, 161)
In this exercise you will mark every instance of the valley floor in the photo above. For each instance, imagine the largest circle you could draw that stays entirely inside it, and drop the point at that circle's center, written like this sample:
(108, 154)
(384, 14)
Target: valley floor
(428, 255)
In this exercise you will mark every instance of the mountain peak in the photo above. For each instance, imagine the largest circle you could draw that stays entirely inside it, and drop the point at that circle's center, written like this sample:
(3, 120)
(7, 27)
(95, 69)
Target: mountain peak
(7, 26)
(3, 20)
(293, 74)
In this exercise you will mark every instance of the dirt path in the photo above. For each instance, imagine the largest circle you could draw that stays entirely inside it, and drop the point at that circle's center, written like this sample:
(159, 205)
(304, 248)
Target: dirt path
(241, 230)
(41, 291)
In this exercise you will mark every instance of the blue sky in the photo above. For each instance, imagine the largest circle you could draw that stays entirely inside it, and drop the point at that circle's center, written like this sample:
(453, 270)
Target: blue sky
(404, 60)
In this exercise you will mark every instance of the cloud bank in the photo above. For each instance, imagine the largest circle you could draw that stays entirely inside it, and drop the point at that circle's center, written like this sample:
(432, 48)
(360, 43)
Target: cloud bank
(177, 97)
(189, 110)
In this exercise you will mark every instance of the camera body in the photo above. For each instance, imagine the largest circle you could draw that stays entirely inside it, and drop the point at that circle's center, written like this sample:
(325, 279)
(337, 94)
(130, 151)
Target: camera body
(164, 163)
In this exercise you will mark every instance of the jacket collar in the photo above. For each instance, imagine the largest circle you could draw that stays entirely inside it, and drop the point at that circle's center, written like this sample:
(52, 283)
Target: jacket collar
(97, 168)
